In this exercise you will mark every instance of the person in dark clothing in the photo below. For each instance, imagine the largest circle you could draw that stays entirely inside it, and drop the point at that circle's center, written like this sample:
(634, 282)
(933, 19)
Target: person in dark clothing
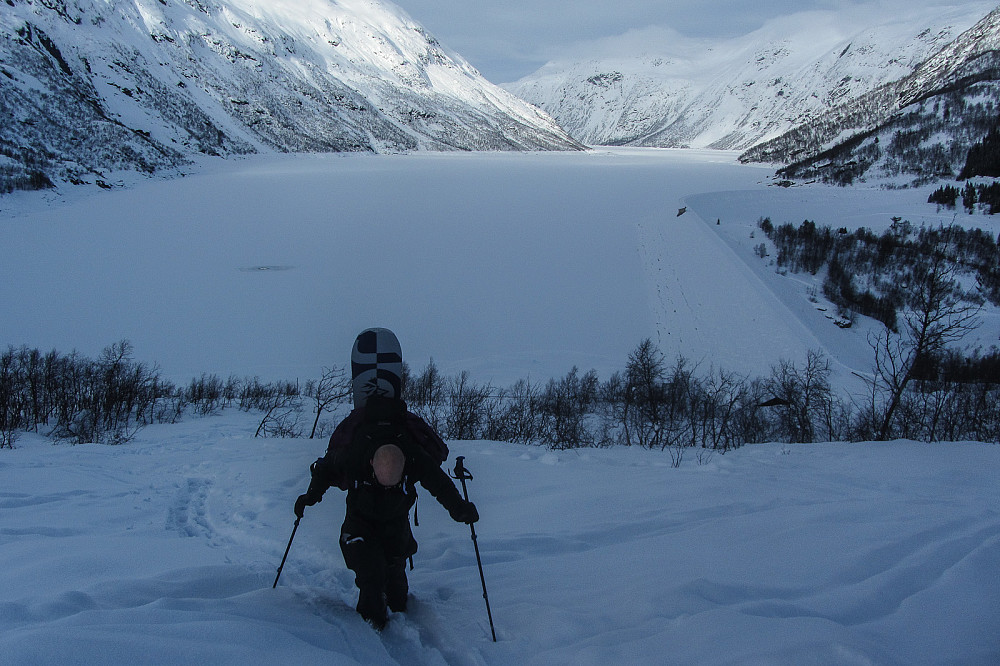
(378, 454)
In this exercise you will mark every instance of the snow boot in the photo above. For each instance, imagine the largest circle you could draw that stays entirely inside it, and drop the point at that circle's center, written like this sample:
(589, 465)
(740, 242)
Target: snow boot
(371, 607)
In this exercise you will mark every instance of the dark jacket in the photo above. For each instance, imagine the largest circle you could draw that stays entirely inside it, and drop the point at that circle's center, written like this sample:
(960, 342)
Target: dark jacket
(347, 465)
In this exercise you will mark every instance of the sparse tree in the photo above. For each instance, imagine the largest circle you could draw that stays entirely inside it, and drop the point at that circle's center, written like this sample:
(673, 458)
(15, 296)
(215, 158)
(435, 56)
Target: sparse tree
(642, 396)
(333, 386)
(516, 416)
(564, 407)
(10, 420)
(938, 318)
(468, 402)
(724, 392)
(426, 395)
(206, 394)
(806, 392)
(281, 409)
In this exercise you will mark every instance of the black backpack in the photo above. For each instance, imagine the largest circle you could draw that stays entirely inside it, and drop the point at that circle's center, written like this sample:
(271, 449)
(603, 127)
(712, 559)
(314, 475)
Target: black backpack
(382, 421)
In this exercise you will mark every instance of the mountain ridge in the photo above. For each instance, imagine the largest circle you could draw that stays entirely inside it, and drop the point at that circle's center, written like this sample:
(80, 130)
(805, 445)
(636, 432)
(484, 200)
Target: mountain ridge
(736, 94)
(922, 125)
(88, 87)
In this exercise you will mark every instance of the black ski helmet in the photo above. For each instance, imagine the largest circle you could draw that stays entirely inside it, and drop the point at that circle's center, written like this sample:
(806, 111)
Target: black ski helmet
(376, 365)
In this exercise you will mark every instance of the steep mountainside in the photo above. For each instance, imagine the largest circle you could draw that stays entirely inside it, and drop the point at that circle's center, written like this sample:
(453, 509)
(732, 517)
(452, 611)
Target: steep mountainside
(88, 86)
(920, 127)
(735, 94)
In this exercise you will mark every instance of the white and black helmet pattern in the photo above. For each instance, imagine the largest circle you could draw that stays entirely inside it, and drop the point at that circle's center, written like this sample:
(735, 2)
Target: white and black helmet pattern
(376, 365)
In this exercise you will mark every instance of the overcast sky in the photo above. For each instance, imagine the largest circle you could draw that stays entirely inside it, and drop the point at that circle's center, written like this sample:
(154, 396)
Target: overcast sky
(508, 39)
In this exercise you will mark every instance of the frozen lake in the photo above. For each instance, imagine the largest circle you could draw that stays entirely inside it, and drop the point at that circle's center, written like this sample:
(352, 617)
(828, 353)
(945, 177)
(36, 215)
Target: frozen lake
(506, 265)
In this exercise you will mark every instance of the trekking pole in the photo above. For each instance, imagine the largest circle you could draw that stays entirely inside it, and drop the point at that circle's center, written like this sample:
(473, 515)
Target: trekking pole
(288, 548)
(461, 473)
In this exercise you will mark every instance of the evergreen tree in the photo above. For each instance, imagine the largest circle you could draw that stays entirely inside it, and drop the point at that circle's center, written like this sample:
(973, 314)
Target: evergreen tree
(945, 195)
(984, 157)
(969, 198)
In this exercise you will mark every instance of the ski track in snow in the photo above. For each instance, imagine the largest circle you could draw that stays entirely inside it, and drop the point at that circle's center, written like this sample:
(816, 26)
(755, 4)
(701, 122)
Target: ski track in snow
(188, 514)
(712, 308)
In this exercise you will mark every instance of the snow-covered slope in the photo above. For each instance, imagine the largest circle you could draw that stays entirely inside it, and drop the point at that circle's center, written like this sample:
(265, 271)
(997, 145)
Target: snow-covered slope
(164, 552)
(936, 112)
(676, 92)
(93, 85)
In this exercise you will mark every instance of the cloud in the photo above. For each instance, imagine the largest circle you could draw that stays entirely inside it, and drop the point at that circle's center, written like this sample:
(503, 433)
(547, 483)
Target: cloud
(654, 39)
(511, 39)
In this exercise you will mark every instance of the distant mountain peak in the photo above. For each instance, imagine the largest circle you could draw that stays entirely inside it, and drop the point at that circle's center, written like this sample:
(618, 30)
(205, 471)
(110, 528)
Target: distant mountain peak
(735, 94)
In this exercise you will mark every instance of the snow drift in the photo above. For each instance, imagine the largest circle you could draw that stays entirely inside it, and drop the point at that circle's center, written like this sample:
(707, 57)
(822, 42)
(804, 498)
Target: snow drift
(164, 552)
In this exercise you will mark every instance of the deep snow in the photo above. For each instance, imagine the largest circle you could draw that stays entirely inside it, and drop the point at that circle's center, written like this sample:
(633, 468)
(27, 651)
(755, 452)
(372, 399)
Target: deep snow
(164, 551)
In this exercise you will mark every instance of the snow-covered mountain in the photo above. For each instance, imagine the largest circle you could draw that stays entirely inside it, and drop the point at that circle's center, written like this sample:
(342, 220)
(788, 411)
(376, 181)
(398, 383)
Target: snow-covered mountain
(731, 95)
(88, 86)
(921, 125)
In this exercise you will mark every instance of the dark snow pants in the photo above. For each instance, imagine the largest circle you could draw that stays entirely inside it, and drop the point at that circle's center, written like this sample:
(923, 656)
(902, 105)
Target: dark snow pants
(376, 552)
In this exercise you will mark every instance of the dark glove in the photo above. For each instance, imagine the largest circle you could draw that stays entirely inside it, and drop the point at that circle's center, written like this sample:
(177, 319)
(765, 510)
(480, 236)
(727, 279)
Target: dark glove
(465, 513)
(303, 501)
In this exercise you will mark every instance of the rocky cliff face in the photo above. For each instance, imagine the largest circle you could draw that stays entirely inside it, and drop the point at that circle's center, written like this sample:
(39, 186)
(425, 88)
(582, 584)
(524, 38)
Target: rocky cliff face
(92, 86)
